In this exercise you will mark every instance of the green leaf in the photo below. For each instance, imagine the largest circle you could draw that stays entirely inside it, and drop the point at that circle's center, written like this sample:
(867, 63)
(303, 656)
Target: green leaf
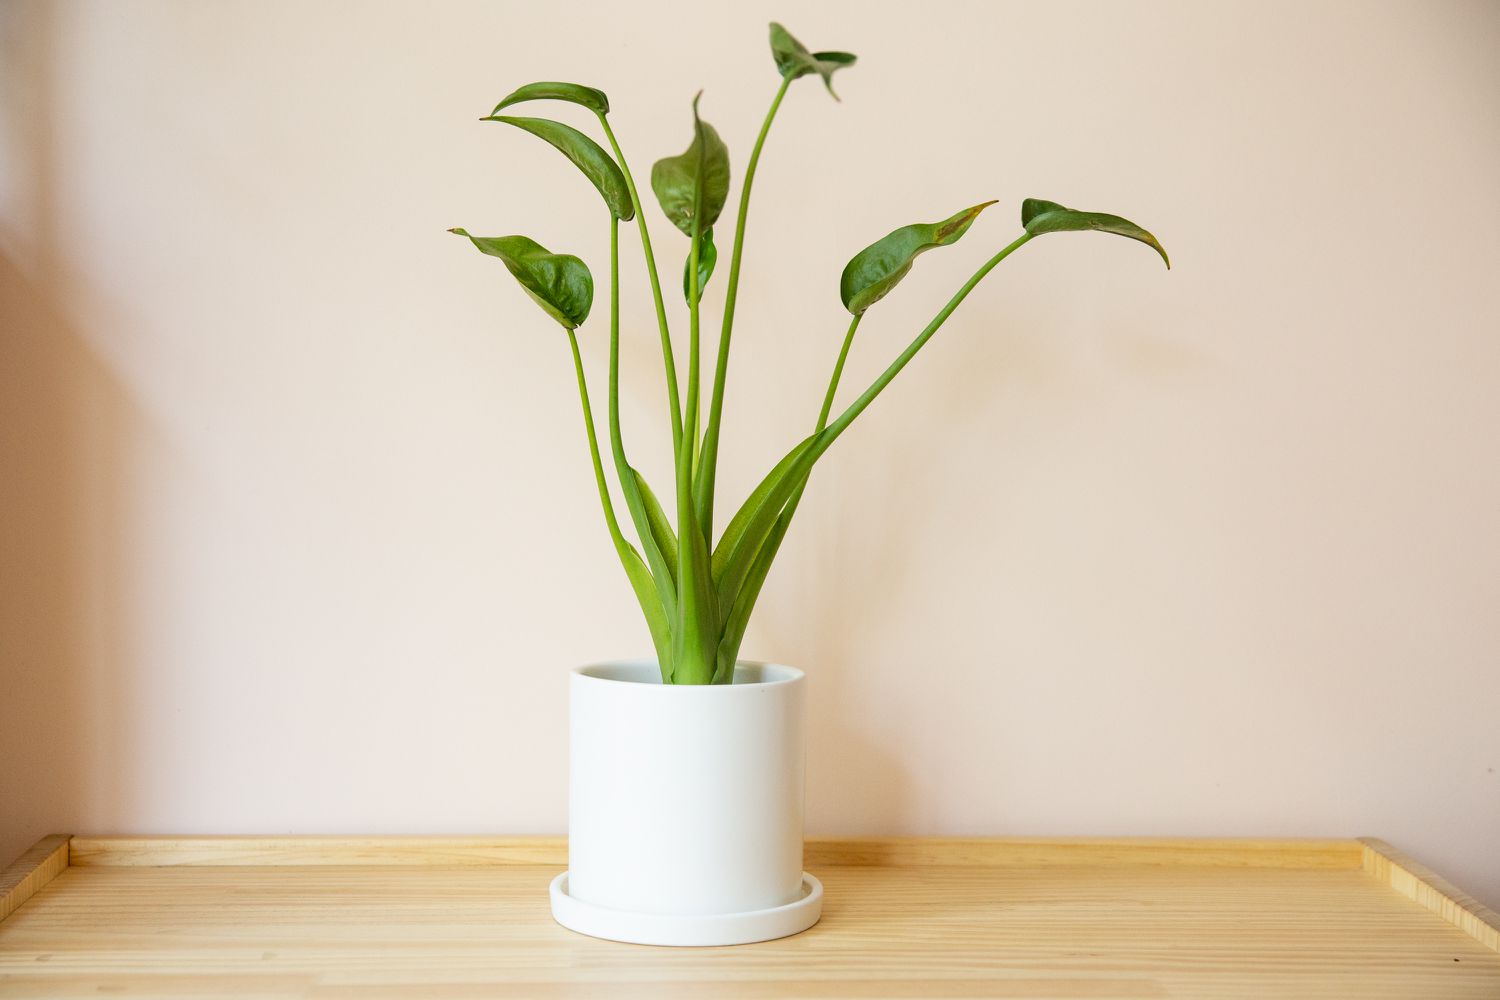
(660, 527)
(559, 283)
(708, 255)
(655, 533)
(693, 187)
(879, 267)
(1040, 217)
(573, 93)
(752, 523)
(738, 618)
(793, 59)
(587, 155)
(695, 639)
(645, 594)
(663, 573)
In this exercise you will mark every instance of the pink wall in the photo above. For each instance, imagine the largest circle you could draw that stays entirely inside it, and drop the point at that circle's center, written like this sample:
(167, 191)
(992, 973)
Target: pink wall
(297, 531)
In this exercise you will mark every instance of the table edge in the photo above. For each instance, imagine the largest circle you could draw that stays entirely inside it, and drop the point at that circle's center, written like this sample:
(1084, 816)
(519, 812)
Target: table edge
(24, 877)
(93, 851)
(1430, 890)
(1391, 868)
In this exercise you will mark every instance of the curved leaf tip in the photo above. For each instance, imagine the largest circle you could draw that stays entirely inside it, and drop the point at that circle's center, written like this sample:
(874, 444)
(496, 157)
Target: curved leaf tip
(693, 186)
(879, 267)
(573, 93)
(560, 283)
(1039, 216)
(794, 60)
(586, 154)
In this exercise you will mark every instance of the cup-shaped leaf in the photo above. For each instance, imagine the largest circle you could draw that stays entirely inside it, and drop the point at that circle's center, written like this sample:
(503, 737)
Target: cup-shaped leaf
(708, 256)
(573, 93)
(587, 155)
(1040, 217)
(693, 187)
(879, 267)
(560, 283)
(793, 59)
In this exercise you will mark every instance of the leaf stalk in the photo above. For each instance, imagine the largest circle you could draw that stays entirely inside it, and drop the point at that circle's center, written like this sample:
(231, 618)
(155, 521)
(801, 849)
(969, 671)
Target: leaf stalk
(661, 310)
(704, 488)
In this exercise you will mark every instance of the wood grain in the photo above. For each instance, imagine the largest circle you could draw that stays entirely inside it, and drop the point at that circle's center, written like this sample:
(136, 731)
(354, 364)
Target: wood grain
(1430, 890)
(452, 917)
(1054, 931)
(43, 862)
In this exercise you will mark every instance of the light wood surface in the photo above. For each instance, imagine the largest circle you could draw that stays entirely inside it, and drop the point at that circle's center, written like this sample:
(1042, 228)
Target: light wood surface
(32, 870)
(960, 919)
(880, 851)
(1430, 890)
(1010, 852)
(424, 851)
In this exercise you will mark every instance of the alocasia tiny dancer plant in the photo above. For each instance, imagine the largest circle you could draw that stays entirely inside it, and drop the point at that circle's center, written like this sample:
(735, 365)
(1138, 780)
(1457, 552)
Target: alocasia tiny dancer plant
(697, 594)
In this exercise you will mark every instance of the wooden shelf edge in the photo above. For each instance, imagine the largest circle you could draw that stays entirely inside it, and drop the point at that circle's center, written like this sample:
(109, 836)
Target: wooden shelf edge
(1429, 889)
(51, 855)
(1213, 852)
(43, 862)
(277, 850)
(821, 852)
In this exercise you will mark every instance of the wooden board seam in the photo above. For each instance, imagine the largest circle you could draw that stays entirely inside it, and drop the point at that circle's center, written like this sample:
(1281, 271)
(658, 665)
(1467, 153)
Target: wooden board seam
(43, 862)
(1433, 892)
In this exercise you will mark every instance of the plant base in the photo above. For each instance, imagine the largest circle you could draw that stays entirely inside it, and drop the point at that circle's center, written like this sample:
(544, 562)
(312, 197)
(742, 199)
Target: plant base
(701, 930)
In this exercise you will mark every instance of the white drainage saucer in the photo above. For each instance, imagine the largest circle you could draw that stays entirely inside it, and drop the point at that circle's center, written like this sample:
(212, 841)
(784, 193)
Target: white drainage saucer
(710, 929)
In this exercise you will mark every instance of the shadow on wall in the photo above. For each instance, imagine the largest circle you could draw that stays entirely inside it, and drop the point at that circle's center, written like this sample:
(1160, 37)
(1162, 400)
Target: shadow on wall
(64, 424)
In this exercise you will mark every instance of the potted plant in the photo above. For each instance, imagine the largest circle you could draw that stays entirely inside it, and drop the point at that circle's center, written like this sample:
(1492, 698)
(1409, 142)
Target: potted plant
(685, 801)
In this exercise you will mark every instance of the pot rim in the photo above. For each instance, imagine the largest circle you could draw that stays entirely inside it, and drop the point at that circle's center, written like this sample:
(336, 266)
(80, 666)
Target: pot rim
(780, 675)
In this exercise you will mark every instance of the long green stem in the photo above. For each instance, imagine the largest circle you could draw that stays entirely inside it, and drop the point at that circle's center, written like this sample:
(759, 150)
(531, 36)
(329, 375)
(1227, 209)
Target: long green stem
(690, 441)
(654, 598)
(616, 437)
(773, 543)
(741, 580)
(693, 408)
(838, 372)
(833, 387)
(588, 423)
(831, 433)
(695, 637)
(750, 589)
(704, 488)
(659, 571)
(661, 310)
(616, 440)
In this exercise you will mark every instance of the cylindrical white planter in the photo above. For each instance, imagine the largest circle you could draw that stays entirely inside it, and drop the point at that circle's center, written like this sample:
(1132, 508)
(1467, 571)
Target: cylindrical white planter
(685, 808)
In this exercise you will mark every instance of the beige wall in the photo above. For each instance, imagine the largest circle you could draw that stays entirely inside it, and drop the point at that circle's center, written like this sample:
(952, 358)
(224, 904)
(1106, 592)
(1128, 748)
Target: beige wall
(299, 533)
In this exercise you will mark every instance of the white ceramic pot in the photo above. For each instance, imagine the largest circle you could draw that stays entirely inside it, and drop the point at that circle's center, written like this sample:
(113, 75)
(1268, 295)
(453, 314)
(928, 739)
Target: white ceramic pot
(685, 808)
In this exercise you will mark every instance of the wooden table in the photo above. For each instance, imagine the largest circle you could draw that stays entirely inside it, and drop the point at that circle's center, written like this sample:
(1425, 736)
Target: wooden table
(435, 918)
